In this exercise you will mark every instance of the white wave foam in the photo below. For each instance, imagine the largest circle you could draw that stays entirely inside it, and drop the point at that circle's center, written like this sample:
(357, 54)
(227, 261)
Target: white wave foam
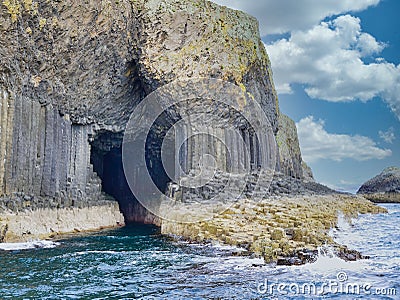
(223, 247)
(328, 261)
(28, 245)
(327, 264)
(343, 224)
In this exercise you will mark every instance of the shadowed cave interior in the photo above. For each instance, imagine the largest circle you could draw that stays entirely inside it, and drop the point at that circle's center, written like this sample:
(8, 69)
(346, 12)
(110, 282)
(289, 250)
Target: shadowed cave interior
(106, 158)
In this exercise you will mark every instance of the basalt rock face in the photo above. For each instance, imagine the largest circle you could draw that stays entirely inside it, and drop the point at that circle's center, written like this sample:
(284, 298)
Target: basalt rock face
(384, 187)
(71, 74)
(66, 75)
(289, 149)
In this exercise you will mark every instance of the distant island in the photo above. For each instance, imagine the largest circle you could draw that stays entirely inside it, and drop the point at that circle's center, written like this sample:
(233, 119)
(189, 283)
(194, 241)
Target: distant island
(383, 188)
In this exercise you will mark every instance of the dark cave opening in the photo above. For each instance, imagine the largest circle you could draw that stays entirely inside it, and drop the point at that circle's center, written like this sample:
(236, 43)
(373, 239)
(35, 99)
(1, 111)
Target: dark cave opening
(106, 158)
(108, 166)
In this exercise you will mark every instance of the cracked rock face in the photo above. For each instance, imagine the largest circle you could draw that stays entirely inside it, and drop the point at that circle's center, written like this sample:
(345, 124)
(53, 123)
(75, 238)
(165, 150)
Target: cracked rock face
(71, 74)
(290, 156)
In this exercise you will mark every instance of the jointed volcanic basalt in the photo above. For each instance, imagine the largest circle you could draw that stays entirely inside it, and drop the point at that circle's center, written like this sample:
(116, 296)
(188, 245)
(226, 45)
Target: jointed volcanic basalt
(72, 73)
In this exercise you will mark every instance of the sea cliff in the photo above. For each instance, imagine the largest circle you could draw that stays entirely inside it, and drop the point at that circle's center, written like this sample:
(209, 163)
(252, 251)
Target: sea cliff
(72, 74)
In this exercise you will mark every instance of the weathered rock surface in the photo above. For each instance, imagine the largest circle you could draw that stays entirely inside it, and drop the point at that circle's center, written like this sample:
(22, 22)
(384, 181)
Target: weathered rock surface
(384, 187)
(72, 73)
(285, 230)
(289, 149)
(46, 223)
(307, 173)
(283, 185)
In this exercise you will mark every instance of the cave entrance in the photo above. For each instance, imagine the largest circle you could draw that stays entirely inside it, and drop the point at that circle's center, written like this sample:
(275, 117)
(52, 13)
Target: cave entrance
(106, 158)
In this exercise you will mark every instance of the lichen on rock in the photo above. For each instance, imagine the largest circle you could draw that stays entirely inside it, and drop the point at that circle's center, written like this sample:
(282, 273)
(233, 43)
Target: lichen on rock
(280, 228)
(71, 74)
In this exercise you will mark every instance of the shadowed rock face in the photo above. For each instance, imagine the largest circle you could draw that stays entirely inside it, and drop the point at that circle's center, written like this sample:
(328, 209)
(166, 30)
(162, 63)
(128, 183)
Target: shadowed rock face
(383, 188)
(386, 182)
(72, 73)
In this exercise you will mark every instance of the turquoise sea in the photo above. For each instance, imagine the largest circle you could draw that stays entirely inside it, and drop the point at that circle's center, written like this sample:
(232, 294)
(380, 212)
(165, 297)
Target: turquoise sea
(136, 262)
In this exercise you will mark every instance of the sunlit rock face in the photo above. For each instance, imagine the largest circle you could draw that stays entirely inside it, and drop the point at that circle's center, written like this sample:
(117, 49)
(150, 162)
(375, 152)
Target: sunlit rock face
(71, 74)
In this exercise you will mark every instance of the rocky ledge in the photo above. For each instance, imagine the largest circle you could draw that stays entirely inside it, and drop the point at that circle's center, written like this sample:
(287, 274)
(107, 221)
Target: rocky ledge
(383, 188)
(43, 223)
(285, 230)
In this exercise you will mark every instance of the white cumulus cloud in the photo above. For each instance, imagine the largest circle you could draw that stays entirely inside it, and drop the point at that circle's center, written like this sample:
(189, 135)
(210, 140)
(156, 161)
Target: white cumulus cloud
(328, 60)
(280, 16)
(388, 136)
(318, 144)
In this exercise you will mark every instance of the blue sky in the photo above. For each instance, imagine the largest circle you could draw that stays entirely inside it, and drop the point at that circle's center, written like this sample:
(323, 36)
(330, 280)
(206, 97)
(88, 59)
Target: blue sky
(336, 67)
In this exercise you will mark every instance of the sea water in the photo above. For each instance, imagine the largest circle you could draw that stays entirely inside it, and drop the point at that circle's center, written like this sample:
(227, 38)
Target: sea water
(136, 262)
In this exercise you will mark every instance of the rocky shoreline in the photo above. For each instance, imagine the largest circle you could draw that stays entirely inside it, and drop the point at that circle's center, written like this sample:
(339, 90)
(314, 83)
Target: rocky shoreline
(48, 223)
(383, 197)
(284, 230)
